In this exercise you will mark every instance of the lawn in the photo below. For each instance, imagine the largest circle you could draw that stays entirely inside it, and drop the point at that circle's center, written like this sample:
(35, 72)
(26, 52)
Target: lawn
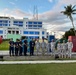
(39, 69)
(4, 45)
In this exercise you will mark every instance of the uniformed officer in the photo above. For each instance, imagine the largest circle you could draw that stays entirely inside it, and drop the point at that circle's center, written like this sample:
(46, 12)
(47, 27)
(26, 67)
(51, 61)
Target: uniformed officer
(32, 44)
(53, 47)
(37, 45)
(59, 47)
(64, 49)
(25, 47)
(43, 46)
(70, 47)
(11, 47)
(16, 47)
(48, 47)
(20, 47)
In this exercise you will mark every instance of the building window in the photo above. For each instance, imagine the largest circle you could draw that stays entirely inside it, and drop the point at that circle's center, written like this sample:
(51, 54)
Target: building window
(0, 24)
(34, 25)
(43, 32)
(29, 25)
(1, 31)
(31, 32)
(21, 22)
(39, 22)
(17, 32)
(29, 22)
(37, 33)
(9, 32)
(25, 32)
(42, 37)
(15, 21)
(35, 22)
(39, 25)
(13, 32)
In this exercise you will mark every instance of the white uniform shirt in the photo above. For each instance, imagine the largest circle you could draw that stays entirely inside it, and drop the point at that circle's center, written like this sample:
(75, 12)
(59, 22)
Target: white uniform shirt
(70, 45)
(58, 46)
(52, 45)
(43, 44)
(64, 46)
(37, 44)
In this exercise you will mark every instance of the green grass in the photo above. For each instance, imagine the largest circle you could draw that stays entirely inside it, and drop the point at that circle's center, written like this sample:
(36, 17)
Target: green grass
(4, 45)
(39, 69)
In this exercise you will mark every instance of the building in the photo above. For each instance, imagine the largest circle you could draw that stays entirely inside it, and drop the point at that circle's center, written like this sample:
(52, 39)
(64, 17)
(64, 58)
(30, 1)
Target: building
(23, 27)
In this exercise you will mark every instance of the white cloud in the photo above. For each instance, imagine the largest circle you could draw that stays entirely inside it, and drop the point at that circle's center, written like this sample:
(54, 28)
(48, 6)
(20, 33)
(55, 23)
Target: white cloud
(17, 13)
(54, 17)
(12, 3)
(50, 1)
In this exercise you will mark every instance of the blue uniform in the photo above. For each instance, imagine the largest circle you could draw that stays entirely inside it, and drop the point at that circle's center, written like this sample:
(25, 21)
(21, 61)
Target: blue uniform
(32, 44)
(16, 48)
(20, 48)
(25, 47)
(11, 48)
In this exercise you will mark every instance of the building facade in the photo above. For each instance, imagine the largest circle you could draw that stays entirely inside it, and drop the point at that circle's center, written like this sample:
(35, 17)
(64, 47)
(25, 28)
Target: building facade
(23, 27)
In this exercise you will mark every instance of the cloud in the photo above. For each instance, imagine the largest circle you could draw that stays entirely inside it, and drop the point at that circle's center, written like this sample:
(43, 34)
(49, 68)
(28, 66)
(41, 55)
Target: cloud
(17, 13)
(54, 17)
(50, 1)
(12, 3)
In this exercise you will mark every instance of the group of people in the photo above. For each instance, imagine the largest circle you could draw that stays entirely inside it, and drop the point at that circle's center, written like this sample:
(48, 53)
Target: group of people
(20, 48)
(65, 49)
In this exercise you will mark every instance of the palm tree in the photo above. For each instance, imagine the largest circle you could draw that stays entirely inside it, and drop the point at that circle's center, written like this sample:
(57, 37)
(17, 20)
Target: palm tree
(69, 10)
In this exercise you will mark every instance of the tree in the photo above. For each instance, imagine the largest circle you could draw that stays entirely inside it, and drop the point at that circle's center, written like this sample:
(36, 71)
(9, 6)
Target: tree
(69, 33)
(69, 10)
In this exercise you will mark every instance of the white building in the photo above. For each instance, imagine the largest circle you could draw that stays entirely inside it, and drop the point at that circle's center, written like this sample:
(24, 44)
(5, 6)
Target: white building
(23, 27)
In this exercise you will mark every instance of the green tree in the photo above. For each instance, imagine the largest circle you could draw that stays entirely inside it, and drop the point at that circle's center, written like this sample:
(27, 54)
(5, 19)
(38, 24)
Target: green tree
(69, 33)
(69, 11)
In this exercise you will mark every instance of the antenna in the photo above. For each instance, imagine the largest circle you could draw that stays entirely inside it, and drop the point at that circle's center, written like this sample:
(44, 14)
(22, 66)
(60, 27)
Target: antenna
(35, 13)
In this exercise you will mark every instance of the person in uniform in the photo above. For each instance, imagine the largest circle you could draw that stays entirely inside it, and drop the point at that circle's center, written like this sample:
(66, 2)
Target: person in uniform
(32, 45)
(48, 47)
(16, 47)
(70, 47)
(11, 47)
(59, 46)
(52, 47)
(64, 49)
(37, 45)
(20, 47)
(43, 46)
(25, 47)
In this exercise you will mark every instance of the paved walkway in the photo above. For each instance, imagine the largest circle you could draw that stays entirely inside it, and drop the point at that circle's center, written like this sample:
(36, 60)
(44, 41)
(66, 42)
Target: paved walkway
(37, 62)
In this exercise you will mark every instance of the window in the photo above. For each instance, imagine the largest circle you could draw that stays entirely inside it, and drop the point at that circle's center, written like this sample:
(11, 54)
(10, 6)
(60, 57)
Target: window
(35, 22)
(0, 20)
(31, 32)
(39, 25)
(15, 21)
(0, 24)
(37, 37)
(29, 22)
(29, 25)
(35, 26)
(1, 31)
(37, 33)
(39, 22)
(42, 37)
(17, 32)
(21, 22)
(25, 32)
(43, 32)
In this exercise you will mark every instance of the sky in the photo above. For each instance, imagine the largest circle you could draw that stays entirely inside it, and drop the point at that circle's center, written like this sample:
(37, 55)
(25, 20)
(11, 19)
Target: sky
(48, 12)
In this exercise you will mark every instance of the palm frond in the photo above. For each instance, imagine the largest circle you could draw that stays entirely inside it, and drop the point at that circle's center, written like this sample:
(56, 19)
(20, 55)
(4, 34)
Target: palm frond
(73, 6)
(73, 13)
